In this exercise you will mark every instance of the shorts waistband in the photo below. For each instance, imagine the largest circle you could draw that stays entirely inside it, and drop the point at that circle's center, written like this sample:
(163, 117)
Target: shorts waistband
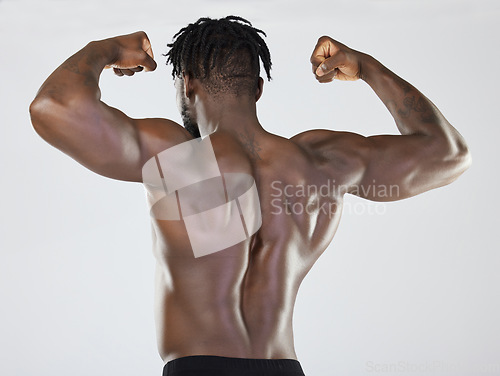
(212, 362)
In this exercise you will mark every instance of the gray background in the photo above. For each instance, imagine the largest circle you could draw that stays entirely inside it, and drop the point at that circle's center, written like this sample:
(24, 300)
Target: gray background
(413, 284)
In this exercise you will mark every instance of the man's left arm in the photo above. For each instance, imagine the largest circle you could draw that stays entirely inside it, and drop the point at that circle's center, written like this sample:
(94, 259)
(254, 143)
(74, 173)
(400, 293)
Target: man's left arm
(428, 154)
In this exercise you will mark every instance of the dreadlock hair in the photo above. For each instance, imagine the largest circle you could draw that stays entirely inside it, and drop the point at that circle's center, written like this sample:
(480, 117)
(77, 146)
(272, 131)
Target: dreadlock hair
(223, 53)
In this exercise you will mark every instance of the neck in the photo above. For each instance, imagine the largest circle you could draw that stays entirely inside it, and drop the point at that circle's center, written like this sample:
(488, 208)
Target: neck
(228, 114)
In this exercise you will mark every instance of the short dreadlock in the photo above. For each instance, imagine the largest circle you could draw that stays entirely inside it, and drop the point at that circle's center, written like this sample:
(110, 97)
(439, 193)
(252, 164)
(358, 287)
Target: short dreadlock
(223, 53)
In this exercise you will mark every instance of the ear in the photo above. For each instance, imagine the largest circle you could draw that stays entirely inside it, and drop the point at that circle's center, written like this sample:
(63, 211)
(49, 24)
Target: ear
(260, 89)
(188, 84)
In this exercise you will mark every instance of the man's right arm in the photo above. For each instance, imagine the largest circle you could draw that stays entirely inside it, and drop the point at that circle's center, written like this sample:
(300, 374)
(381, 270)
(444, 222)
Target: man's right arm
(67, 111)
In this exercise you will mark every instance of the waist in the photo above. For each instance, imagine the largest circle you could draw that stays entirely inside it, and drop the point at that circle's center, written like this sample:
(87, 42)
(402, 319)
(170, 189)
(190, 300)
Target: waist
(222, 366)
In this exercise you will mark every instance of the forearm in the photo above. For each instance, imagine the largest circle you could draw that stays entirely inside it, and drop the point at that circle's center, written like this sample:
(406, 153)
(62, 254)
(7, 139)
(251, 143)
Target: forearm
(77, 78)
(411, 110)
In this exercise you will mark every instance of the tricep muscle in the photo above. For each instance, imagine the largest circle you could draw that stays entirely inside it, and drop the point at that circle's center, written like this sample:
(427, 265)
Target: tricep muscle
(104, 139)
(382, 167)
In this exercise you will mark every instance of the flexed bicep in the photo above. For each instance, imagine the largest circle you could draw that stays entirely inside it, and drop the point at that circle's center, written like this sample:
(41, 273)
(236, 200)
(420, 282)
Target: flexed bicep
(382, 167)
(396, 167)
(428, 154)
(67, 111)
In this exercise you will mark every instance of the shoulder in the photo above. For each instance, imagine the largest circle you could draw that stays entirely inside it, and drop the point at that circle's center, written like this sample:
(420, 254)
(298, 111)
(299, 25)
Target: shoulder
(327, 139)
(336, 153)
(324, 143)
(157, 134)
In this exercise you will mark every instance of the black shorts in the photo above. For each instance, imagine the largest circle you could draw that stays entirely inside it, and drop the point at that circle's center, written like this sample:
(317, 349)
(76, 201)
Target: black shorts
(211, 365)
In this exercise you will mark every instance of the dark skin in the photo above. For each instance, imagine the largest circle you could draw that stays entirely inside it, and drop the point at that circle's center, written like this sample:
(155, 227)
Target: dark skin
(239, 302)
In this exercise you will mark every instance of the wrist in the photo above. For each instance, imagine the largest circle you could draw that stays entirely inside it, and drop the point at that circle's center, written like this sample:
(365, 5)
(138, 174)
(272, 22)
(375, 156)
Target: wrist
(101, 53)
(369, 68)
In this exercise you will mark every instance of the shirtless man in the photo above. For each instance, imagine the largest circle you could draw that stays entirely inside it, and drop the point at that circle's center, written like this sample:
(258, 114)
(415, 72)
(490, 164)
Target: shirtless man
(230, 312)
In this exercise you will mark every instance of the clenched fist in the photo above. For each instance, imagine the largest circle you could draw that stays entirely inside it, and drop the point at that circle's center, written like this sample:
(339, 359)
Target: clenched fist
(331, 59)
(131, 53)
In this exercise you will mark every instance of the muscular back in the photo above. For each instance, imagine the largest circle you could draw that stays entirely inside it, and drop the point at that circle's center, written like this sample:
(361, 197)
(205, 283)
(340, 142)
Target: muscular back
(239, 301)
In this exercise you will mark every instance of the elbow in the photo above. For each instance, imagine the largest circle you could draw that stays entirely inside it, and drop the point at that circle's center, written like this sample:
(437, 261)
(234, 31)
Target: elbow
(34, 108)
(44, 113)
(38, 111)
(462, 155)
(457, 161)
(466, 159)
(451, 158)
(454, 152)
